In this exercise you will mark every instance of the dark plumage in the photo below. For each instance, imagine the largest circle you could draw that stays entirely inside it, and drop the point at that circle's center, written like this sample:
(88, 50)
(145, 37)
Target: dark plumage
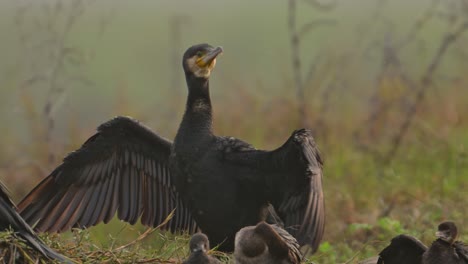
(199, 245)
(446, 249)
(9, 218)
(222, 183)
(266, 244)
(408, 250)
(403, 249)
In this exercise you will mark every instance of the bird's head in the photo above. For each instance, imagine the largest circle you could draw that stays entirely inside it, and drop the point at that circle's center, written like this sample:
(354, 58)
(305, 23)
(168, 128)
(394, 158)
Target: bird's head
(200, 59)
(447, 231)
(199, 242)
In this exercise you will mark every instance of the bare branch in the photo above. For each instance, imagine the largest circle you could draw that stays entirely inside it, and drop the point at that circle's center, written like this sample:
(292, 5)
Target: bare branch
(419, 24)
(295, 35)
(312, 68)
(53, 63)
(296, 62)
(426, 82)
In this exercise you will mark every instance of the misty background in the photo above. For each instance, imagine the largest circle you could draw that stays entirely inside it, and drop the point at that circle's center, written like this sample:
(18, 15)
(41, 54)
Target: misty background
(383, 85)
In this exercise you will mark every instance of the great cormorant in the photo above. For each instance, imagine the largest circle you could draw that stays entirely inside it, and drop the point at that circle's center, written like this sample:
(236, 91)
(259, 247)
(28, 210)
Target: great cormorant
(266, 244)
(9, 218)
(406, 249)
(219, 184)
(199, 245)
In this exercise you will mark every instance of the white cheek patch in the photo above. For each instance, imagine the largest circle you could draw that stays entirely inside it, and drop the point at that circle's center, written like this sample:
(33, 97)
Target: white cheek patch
(204, 73)
(197, 70)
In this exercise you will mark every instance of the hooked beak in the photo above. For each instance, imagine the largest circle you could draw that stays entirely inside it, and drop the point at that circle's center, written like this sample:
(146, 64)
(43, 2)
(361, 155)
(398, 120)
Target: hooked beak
(442, 235)
(209, 57)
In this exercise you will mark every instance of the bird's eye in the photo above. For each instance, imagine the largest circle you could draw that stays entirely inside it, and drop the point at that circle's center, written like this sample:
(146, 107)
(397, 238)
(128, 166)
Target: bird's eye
(199, 53)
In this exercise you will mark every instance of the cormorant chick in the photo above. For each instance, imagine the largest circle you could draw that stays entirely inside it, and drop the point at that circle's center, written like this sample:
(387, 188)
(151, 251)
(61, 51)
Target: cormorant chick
(406, 249)
(9, 218)
(199, 245)
(446, 249)
(266, 244)
(220, 184)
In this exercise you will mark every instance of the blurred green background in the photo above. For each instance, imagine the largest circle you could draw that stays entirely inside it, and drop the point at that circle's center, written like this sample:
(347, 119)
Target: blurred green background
(368, 67)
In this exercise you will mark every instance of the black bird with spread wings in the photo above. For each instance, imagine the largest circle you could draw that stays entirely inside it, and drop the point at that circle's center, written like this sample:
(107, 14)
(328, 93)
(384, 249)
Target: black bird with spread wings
(219, 184)
(9, 218)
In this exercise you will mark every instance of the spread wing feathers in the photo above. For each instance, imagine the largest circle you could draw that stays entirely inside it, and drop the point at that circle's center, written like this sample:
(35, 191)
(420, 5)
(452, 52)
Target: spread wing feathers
(9, 218)
(403, 249)
(292, 175)
(462, 250)
(123, 168)
(301, 203)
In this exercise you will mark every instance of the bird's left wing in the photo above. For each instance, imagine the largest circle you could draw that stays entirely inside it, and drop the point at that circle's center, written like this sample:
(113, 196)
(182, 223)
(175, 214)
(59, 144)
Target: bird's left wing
(122, 169)
(293, 177)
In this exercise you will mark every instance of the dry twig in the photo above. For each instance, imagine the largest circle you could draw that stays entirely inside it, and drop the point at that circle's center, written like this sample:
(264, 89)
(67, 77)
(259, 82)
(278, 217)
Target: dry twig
(295, 35)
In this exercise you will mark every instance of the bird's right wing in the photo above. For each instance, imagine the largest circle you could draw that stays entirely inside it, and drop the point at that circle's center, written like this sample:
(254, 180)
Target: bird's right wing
(123, 168)
(403, 249)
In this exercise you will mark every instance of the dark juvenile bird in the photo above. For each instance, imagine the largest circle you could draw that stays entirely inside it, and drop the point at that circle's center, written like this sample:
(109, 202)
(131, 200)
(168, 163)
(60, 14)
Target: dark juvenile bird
(406, 249)
(219, 184)
(446, 249)
(199, 245)
(403, 249)
(266, 244)
(9, 218)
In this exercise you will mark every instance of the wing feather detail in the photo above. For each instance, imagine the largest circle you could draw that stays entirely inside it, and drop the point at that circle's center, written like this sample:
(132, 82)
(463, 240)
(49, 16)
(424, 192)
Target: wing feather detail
(123, 169)
(292, 177)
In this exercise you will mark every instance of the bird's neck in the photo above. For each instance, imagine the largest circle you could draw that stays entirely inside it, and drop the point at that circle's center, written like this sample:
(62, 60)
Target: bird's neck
(197, 121)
